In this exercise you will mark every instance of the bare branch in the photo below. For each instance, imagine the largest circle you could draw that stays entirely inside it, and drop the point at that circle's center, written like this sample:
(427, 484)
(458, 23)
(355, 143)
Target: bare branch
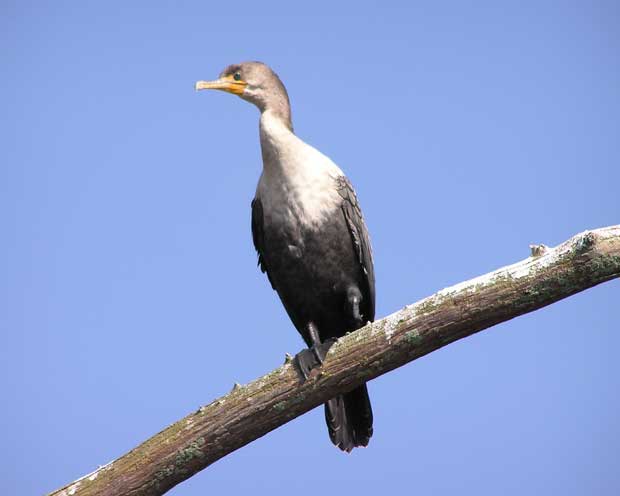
(250, 411)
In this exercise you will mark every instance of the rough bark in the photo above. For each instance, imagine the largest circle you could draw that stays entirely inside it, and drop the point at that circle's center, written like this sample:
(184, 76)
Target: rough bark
(250, 411)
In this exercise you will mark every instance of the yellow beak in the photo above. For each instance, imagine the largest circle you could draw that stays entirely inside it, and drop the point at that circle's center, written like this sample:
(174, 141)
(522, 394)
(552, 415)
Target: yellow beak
(226, 83)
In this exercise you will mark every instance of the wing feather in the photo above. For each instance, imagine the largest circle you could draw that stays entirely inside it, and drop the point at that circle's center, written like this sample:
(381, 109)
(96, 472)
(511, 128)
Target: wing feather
(258, 236)
(361, 241)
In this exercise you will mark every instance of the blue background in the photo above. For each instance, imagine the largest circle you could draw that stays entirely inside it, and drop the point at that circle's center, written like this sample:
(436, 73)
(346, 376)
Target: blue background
(130, 294)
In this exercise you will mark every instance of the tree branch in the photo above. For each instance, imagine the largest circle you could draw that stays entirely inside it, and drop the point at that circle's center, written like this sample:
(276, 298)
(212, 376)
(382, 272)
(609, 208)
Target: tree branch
(249, 412)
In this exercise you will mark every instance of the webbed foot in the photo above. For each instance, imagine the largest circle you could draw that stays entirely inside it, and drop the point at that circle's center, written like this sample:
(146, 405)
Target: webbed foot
(313, 357)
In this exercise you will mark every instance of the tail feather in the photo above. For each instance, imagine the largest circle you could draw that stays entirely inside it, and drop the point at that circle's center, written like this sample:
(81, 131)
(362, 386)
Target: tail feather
(349, 419)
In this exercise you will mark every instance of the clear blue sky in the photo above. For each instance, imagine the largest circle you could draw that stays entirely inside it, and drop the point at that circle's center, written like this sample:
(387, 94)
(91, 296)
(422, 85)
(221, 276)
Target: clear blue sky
(129, 289)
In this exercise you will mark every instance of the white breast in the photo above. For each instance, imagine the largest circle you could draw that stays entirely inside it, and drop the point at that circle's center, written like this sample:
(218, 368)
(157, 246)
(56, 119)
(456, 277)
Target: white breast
(298, 183)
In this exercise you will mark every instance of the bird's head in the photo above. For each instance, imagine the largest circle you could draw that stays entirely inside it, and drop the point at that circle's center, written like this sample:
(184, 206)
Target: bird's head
(252, 81)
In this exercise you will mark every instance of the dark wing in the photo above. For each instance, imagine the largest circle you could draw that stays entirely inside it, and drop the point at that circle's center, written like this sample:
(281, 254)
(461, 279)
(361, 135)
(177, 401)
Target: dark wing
(361, 242)
(258, 235)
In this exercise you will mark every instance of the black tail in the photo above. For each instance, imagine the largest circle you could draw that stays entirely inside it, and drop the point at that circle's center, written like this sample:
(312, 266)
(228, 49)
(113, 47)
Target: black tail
(349, 419)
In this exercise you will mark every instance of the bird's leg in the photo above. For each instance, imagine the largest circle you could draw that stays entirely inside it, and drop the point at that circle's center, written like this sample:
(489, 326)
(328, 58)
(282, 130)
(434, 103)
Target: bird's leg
(316, 343)
(319, 348)
(352, 304)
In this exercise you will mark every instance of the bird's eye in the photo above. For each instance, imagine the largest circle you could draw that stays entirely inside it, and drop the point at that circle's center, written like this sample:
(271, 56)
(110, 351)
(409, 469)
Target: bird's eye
(237, 76)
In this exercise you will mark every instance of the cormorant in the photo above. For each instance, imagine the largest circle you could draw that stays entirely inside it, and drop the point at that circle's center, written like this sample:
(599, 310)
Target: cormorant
(311, 240)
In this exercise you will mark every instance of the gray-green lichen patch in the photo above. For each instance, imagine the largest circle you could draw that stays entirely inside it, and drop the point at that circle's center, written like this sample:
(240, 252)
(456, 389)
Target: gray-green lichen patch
(165, 472)
(584, 242)
(503, 277)
(181, 461)
(605, 265)
(193, 450)
(431, 303)
(413, 337)
(287, 404)
(391, 324)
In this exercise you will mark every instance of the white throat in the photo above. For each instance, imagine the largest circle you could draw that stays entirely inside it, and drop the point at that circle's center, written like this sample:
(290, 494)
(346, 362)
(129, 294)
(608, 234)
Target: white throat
(298, 183)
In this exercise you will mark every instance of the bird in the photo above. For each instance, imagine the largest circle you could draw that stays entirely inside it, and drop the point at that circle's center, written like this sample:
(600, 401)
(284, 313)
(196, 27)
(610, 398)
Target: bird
(311, 239)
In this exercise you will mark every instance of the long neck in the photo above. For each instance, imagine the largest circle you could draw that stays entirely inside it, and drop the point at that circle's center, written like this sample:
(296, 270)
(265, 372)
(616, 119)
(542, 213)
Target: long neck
(279, 107)
(279, 145)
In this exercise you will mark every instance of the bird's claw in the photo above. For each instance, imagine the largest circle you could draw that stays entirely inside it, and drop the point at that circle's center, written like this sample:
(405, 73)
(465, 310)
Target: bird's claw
(305, 361)
(309, 359)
